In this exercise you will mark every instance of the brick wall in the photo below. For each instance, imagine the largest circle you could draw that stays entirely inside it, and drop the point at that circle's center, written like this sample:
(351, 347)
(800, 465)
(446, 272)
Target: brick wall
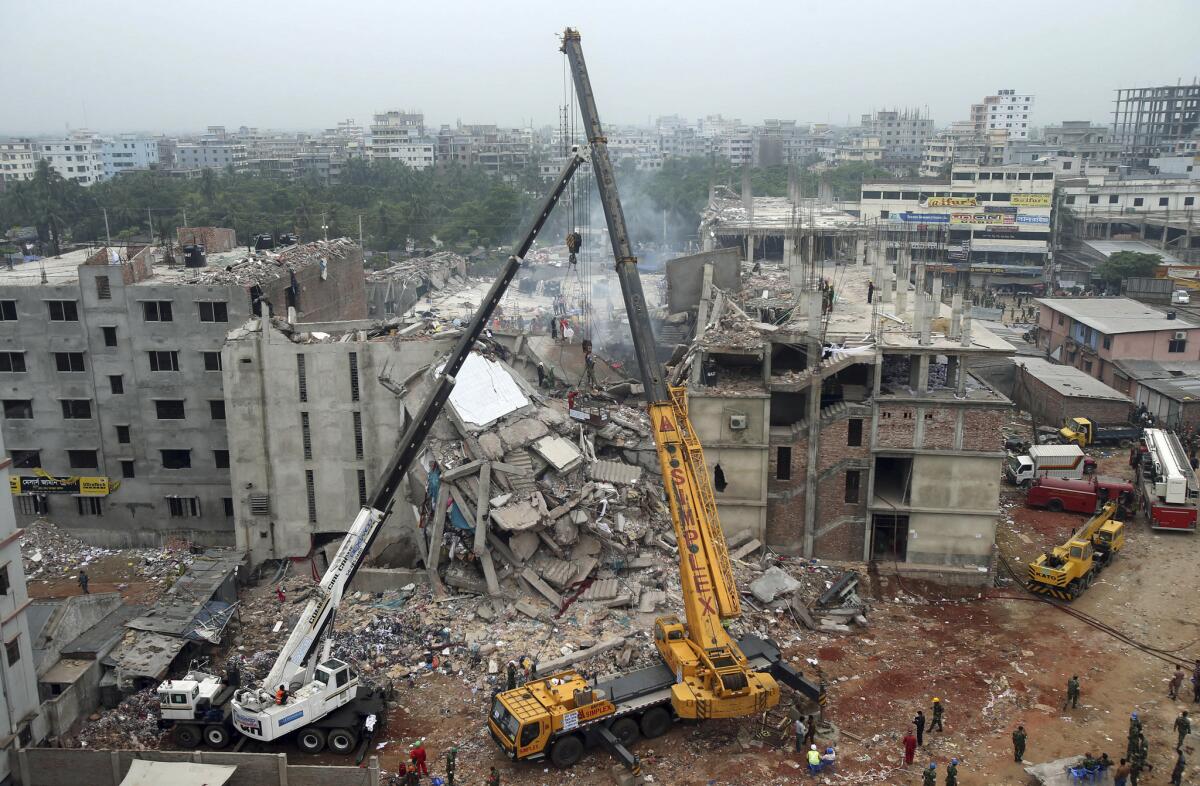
(981, 428)
(1052, 408)
(785, 498)
(939, 424)
(341, 295)
(214, 239)
(897, 425)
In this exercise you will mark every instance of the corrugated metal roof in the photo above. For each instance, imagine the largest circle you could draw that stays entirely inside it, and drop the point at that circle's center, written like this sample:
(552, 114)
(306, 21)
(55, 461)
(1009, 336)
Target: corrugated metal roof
(1107, 248)
(1068, 380)
(1111, 315)
(1181, 389)
(614, 472)
(1157, 369)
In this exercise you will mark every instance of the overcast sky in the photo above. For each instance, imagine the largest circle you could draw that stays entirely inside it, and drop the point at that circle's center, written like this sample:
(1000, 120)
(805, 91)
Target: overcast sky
(158, 65)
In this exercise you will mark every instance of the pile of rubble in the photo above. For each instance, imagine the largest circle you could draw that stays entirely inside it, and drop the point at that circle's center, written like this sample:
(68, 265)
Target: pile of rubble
(132, 725)
(262, 266)
(440, 268)
(50, 553)
(47, 551)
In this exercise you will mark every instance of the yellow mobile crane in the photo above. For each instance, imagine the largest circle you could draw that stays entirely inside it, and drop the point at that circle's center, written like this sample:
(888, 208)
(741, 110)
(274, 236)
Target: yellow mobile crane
(704, 672)
(1067, 570)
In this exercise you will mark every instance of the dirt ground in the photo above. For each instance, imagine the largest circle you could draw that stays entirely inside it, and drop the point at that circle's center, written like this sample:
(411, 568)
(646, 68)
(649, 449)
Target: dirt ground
(995, 660)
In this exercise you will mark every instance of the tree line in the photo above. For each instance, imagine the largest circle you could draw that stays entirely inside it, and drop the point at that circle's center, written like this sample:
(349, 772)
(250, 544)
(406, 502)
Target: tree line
(460, 207)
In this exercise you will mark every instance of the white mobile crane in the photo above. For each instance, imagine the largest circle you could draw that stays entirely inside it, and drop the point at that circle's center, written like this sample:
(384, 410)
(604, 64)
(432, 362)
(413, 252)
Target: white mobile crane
(326, 700)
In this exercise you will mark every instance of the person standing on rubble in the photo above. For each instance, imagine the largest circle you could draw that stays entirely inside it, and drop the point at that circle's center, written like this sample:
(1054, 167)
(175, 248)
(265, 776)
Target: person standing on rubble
(511, 675)
(1183, 727)
(1019, 744)
(493, 778)
(451, 758)
(937, 715)
(83, 581)
(910, 748)
(929, 776)
(919, 722)
(541, 372)
(801, 732)
(952, 773)
(810, 735)
(1176, 683)
(1072, 692)
(418, 756)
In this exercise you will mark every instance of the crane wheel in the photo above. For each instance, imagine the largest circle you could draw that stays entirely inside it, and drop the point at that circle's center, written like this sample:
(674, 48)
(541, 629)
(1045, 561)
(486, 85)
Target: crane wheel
(567, 751)
(311, 740)
(187, 736)
(216, 736)
(655, 723)
(626, 731)
(342, 741)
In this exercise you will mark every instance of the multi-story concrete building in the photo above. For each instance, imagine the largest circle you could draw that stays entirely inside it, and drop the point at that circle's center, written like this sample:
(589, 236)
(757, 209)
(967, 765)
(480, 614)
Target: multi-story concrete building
(495, 149)
(127, 153)
(18, 160)
(21, 723)
(312, 425)
(110, 374)
(78, 158)
(1005, 111)
(886, 449)
(1091, 333)
(1145, 119)
(1002, 213)
(1160, 210)
(902, 133)
(960, 144)
(210, 153)
(400, 136)
(1177, 166)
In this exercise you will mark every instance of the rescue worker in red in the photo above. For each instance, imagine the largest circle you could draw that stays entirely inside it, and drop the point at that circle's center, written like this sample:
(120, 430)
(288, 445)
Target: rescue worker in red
(418, 759)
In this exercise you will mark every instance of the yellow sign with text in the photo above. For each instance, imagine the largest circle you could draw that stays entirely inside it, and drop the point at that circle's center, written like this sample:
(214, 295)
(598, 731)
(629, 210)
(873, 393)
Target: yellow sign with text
(950, 202)
(42, 482)
(1030, 200)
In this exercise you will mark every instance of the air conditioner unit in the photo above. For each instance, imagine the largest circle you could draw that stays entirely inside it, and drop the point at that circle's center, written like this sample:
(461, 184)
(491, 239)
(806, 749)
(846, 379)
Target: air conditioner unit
(737, 422)
(1180, 335)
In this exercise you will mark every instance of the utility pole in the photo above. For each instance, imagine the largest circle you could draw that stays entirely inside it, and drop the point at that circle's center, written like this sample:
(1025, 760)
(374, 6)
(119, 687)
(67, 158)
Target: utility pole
(324, 226)
(185, 223)
(150, 223)
(107, 236)
(360, 237)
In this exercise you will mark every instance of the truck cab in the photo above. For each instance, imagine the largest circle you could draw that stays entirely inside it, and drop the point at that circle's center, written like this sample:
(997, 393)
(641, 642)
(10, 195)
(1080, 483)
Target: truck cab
(1078, 431)
(549, 716)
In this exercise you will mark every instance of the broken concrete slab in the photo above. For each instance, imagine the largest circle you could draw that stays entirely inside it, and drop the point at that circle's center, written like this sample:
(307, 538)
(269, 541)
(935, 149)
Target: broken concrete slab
(650, 599)
(541, 586)
(584, 568)
(602, 589)
(559, 453)
(559, 573)
(520, 433)
(614, 472)
(586, 546)
(565, 531)
(524, 545)
(773, 583)
(529, 609)
(746, 549)
(558, 664)
(490, 444)
(460, 575)
(517, 516)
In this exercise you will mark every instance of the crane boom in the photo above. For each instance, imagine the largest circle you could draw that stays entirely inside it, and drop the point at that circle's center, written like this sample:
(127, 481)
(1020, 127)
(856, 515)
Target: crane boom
(297, 658)
(715, 679)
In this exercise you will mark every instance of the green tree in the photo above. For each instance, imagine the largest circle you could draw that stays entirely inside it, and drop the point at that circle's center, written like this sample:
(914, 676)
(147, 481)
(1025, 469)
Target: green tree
(1127, 264)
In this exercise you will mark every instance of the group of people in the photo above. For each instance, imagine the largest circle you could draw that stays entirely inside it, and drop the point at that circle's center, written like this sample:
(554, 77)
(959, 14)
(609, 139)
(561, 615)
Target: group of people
(410, 774)
(915, 737)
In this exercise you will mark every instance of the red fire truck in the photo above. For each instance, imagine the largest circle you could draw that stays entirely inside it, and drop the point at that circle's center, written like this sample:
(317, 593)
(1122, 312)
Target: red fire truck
(1167, 485)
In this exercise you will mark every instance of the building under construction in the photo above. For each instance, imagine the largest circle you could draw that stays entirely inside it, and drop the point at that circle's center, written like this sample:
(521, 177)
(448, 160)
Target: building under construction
(832, 393)
(1146, 117)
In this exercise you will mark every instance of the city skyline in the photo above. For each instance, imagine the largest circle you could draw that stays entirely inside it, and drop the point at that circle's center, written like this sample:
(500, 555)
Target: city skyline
(505, 69)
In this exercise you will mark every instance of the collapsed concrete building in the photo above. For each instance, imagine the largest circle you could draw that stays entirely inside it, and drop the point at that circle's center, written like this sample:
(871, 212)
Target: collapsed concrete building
(843, 423)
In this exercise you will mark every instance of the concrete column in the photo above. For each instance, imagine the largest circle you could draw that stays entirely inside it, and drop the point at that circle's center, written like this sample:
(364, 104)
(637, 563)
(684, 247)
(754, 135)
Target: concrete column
(814, 318)
(960, 379)
(952, 371)
(861, 255)
(956, 307)
(282, 768)
(902, 261)
(922, 385)
(810, 472)
(966, 329)
(887, 290)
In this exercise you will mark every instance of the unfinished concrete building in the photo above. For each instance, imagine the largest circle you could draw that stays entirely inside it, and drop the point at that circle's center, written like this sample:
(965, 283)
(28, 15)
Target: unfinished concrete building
(843, 424)
(111, 373)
